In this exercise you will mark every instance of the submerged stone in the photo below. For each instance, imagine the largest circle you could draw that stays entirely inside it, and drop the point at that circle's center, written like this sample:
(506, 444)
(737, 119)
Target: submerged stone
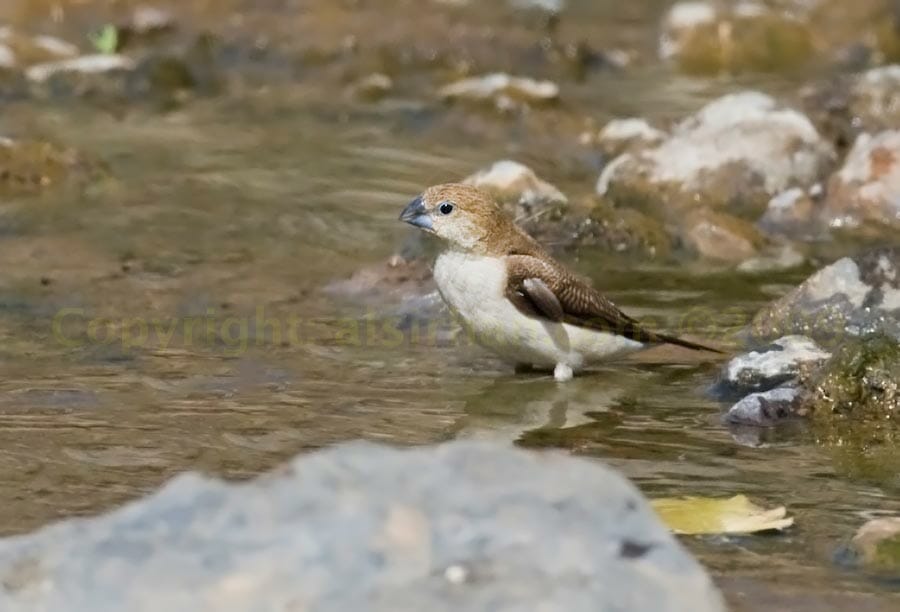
(462, 526)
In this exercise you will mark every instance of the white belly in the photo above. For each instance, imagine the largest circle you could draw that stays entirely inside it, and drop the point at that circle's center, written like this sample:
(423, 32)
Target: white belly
(474, 288)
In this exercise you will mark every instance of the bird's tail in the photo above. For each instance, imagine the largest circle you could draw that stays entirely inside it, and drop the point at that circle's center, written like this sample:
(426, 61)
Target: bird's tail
(663, 338)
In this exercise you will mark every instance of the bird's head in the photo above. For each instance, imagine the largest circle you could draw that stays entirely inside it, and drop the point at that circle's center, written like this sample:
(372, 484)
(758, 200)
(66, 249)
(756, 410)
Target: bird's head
(465, 217)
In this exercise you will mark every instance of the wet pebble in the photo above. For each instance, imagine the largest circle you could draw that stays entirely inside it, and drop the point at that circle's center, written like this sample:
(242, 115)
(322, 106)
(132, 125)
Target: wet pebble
(766, 408)
(771, 365)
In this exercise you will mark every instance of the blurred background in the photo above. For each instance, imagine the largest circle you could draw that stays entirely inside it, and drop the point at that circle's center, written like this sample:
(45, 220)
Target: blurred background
(200, 246)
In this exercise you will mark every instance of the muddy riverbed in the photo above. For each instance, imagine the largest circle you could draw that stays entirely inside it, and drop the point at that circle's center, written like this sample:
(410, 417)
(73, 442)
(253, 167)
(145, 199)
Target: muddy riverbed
(161, 296)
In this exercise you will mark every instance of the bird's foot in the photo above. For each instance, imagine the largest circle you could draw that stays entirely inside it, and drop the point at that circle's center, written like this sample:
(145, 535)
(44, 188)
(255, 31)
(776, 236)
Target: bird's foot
(562, 372)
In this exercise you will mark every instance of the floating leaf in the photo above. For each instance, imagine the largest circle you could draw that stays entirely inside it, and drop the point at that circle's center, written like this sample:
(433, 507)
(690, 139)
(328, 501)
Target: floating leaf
(696, 515)
(106, 40)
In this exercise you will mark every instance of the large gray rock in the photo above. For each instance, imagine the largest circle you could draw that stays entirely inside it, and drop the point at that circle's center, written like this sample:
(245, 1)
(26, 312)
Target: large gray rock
(463, 526)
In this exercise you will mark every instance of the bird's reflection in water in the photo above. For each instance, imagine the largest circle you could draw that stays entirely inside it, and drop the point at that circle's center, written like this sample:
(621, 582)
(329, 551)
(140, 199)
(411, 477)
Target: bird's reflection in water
(514, 405)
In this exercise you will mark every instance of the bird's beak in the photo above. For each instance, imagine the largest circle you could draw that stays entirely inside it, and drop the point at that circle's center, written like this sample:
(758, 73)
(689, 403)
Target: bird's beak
(415, 214)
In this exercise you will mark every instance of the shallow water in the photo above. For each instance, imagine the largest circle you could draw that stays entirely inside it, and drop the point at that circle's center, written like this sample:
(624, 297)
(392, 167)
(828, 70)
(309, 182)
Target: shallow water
(206, 249)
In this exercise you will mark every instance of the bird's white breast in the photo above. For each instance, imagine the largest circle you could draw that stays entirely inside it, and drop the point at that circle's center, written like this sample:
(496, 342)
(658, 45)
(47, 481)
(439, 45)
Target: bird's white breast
(474, 288)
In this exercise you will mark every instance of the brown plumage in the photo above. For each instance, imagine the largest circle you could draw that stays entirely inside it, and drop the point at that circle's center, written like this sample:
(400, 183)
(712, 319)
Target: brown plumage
(537, 284)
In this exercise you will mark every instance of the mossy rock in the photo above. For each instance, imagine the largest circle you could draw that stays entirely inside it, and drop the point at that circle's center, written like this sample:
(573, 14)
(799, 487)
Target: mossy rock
(860, 382)
(854, 404)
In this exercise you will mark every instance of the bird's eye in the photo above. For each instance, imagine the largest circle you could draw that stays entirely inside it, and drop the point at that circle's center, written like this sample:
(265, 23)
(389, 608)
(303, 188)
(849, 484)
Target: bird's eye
(446, 208)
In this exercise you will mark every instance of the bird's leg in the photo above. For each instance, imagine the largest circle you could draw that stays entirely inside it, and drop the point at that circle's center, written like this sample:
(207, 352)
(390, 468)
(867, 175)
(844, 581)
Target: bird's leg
(562, 372)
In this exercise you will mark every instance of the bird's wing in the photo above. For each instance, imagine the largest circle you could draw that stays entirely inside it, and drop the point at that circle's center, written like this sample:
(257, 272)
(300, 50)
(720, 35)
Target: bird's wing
(542, 288)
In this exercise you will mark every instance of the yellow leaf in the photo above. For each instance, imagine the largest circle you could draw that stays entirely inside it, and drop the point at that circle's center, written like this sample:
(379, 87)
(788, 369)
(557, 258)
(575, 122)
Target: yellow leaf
(696, 515)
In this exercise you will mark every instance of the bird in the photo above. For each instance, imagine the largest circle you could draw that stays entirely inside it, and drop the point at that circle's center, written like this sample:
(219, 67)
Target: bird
(513, 297)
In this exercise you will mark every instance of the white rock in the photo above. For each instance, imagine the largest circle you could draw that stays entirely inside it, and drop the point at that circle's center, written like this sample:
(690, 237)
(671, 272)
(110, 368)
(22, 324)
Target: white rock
(779, 145)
